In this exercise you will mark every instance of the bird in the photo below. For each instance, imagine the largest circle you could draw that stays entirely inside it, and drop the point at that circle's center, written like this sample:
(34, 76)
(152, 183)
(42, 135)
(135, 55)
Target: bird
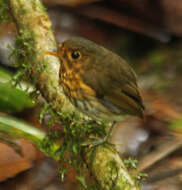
(98, 82)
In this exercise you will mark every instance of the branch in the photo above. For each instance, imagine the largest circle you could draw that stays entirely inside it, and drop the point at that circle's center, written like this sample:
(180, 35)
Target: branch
(37, 37)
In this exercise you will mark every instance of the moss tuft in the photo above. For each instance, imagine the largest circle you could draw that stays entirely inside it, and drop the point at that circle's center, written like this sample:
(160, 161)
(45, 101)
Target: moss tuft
(4, 11)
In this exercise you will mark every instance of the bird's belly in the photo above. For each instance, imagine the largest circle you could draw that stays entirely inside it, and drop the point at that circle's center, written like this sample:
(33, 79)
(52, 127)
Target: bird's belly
(84, 99)
(94, 109)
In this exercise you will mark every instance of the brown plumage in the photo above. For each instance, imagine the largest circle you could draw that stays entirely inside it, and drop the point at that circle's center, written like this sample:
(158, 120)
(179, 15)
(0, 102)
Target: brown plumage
(97, 81)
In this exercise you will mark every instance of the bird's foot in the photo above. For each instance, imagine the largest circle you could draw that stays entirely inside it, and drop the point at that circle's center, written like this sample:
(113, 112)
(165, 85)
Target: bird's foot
(95, 142)
(100, 141)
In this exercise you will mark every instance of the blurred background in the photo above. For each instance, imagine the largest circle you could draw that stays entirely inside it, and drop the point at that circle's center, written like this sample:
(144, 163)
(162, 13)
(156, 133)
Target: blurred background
(148, 34)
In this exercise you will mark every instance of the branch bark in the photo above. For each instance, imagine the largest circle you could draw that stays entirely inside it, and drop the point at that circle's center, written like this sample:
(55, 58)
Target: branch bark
(34, 25)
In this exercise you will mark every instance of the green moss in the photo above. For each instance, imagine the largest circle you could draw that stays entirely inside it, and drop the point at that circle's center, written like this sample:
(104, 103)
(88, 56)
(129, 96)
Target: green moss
(49, 144)
(140, 177)
(39, 6)
(23, 56)
(131, 164)
(24, 49)
(76, 133)
(4, 11)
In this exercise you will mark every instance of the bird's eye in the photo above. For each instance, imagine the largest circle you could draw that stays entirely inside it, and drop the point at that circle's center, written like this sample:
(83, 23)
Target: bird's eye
(75, 55)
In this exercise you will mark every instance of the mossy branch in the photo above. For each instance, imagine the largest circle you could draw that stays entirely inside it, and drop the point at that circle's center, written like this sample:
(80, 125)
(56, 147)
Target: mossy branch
(36, 37)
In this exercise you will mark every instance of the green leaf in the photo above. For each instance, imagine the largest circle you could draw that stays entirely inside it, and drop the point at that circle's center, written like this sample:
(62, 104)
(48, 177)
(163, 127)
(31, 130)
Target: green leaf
(17, 128)
(81, 179)
(13, 99)
(5, 76)
(75, 149)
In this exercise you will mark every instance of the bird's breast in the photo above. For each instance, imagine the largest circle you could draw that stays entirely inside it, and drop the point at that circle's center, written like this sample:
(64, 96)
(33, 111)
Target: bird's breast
(73, 84)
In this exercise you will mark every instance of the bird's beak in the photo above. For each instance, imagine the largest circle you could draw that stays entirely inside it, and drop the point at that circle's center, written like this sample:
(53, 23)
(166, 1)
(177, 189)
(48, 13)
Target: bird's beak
(54, 53)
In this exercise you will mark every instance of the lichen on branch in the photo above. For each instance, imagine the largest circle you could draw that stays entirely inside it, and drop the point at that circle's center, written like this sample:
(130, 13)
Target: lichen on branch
(36, 37)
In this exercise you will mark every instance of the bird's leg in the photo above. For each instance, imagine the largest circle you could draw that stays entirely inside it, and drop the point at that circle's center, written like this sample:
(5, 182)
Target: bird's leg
(103, 140)
(109, 133)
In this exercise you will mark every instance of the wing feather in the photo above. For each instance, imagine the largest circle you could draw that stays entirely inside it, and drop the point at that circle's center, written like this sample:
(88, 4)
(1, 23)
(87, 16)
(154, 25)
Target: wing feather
(115, 85)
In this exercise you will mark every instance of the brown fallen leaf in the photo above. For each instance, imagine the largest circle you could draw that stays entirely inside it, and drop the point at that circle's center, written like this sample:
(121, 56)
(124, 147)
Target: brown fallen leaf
(160, 148)
(160, 107)
(167, 174)
(12, 163)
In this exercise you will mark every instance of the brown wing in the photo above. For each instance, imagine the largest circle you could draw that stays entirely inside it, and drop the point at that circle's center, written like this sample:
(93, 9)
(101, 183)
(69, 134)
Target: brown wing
(115, 85)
